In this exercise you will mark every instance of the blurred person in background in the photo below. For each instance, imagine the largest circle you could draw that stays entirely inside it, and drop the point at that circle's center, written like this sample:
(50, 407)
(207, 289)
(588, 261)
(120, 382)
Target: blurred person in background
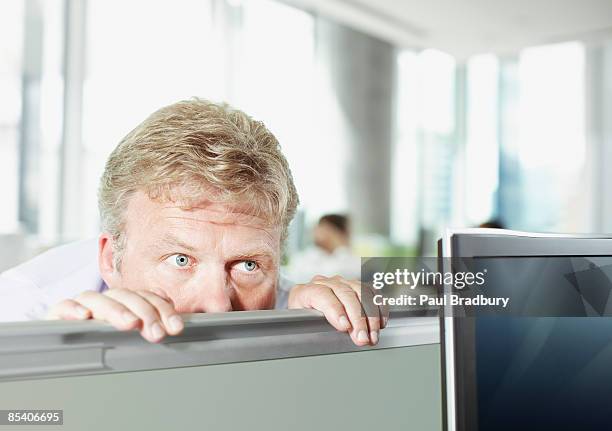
(331, 253)
(492, 224)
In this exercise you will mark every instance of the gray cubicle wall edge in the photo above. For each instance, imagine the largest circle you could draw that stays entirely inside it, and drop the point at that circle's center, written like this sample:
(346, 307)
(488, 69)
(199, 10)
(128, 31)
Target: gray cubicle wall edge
(33, 350)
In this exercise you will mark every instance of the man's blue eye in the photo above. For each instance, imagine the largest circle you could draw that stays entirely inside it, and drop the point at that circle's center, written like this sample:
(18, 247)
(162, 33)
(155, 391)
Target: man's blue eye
(181, 260)
(248, 265)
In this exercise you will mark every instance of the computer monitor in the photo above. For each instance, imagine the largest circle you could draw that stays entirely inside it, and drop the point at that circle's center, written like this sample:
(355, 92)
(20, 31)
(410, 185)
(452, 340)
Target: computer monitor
(530, 371)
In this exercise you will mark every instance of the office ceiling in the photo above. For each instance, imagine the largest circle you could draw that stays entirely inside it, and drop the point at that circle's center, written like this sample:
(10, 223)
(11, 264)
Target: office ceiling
(466, 27)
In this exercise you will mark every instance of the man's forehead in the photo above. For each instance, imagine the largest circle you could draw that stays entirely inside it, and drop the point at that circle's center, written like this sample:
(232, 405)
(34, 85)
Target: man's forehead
(201, 209)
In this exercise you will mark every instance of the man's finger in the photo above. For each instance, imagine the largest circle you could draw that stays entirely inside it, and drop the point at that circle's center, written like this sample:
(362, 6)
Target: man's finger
(384, 315)
(352, 304)
(109, 310)
(358, 312)
(323, 299)
(152, 328)
(371, 310)
(69, 309)
(170, 318)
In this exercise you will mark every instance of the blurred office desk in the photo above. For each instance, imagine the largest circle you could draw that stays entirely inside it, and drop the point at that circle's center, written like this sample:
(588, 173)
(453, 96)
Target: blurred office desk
(263, 370)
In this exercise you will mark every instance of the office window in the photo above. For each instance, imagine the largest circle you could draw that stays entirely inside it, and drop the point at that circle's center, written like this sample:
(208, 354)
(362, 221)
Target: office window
(424, 150)
(482, 145)
(11, 42)
(405, 181)
(51, 106)
(31, 86)
(551, 135)
(437, 92)
(437, 146)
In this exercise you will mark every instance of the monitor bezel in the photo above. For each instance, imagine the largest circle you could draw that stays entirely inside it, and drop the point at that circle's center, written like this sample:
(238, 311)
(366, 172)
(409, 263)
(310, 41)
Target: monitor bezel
(459, 399)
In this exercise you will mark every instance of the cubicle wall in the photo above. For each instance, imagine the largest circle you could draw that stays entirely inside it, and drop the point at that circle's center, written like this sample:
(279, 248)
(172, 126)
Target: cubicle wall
(279, 370)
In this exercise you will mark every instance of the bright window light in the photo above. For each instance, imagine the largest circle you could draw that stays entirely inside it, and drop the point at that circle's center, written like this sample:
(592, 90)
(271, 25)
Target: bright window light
(552, 130)
(11, 37)
(404, 182)
(482, 146)
(552, 141)
(437, 91)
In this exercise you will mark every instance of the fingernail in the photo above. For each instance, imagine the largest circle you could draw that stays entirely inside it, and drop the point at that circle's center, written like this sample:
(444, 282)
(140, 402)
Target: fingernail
(176, 323)
(81, 311)
(344, 322)
(157, 331)
(362, 337)
(129, 318)
(374, 337)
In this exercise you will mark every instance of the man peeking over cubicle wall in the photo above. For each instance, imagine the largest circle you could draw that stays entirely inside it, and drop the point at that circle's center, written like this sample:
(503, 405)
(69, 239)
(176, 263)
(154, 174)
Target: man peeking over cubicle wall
(194, 204)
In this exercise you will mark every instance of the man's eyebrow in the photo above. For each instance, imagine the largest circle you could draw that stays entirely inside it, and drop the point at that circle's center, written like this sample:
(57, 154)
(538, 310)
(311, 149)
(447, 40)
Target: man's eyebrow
(176, 242)
(259, 252)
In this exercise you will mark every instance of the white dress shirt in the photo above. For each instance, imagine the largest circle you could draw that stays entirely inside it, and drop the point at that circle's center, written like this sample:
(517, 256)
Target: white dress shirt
(315, 261)
(28, 291)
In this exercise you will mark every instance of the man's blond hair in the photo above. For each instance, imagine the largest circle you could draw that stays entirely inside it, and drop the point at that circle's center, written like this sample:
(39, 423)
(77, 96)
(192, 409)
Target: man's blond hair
(200, 146)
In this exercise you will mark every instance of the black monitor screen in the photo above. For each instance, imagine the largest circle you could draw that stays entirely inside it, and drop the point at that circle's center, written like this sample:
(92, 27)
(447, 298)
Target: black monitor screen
(544, 373)
(532, 372)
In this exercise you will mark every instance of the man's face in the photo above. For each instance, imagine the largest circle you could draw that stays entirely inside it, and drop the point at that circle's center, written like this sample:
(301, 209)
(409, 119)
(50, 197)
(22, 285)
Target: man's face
(209, 258)
(325, 235)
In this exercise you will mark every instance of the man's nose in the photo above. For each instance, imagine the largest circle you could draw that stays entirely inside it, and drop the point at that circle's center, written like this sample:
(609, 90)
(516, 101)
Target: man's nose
(213, 293)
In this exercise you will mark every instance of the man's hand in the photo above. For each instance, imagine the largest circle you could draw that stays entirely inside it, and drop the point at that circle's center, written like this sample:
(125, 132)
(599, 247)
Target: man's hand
(153, 315)
(340, 301)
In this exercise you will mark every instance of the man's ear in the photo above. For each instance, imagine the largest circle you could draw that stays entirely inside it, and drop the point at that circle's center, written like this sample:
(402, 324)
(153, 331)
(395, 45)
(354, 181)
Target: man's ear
(106, 261)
